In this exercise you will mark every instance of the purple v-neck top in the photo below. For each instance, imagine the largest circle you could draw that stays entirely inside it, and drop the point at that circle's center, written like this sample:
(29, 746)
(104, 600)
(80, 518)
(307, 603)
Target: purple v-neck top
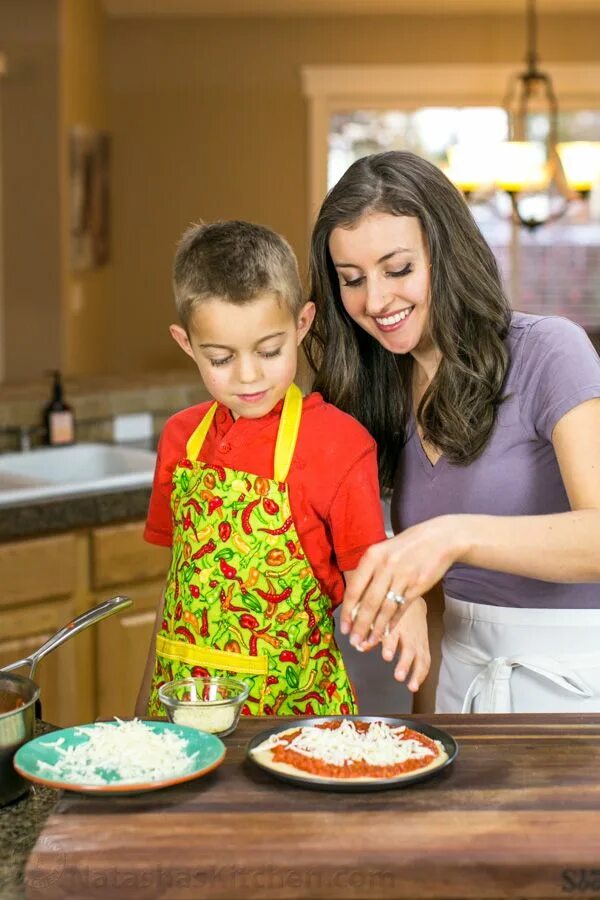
(553, 368)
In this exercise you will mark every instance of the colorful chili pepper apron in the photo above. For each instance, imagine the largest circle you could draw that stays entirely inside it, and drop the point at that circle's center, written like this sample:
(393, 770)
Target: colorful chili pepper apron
(241, 597)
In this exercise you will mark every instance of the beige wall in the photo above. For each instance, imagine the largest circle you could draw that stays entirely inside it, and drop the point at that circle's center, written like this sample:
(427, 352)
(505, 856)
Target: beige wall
(210, 122)
(56, 78)
(87, 324)
(207, 120)
(30, 187)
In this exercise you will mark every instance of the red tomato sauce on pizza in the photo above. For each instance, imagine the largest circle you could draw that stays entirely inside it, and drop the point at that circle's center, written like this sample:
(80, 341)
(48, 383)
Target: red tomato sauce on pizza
(354, 769)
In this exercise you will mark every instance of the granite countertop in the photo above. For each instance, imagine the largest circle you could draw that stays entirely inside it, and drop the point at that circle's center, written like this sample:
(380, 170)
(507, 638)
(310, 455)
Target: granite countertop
(20, 824)
(68, 513)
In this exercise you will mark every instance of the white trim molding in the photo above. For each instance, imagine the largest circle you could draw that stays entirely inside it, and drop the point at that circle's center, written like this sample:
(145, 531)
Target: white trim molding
(331, 89)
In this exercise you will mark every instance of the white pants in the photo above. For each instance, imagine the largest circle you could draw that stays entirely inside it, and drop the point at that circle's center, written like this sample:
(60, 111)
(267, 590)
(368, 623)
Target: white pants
(499, 659)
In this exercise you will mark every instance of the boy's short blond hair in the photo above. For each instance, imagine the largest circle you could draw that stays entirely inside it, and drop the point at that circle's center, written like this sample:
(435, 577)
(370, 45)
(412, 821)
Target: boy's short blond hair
(234, 261)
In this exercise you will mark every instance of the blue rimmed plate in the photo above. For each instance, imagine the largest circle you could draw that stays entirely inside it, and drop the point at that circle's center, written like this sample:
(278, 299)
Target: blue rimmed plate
(205, 752)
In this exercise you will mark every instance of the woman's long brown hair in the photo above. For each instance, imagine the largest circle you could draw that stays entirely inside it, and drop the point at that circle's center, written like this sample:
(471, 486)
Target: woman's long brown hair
(469, 316)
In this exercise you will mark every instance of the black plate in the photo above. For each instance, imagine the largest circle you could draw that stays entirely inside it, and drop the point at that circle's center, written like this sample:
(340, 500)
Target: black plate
(339, 784)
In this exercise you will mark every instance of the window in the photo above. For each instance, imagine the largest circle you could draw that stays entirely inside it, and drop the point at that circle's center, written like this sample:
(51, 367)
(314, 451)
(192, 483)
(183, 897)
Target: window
(555, 269)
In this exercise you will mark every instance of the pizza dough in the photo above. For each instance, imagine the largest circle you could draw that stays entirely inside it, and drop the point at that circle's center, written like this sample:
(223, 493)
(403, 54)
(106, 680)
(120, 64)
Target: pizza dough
(350, 751)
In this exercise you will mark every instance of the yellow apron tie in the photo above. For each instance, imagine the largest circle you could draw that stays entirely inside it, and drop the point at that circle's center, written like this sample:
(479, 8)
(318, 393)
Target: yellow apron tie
(287, 434)
(194, 444)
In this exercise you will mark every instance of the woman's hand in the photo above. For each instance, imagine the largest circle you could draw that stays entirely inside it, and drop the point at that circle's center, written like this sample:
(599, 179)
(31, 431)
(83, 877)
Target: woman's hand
(408, 565)
(409, 637)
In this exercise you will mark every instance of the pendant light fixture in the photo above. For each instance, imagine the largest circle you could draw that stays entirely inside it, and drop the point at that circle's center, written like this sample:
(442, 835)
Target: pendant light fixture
(564, 172)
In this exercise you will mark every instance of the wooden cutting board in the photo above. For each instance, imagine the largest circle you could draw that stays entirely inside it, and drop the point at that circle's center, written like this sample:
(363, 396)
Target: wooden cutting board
(516, 815)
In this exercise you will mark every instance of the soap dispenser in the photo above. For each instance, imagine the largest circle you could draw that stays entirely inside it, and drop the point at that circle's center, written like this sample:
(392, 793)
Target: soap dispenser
(59, 421)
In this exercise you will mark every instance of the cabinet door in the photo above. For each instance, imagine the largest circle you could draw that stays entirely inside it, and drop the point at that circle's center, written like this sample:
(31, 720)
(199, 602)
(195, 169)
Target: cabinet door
(38, 569)
(44, 586)
(64, 693)
(122, 647)
(121, 556)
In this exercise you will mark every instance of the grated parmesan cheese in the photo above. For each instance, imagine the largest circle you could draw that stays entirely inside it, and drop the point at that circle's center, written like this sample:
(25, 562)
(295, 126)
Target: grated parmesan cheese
(379, 745)
(214, 719)
(131, 751)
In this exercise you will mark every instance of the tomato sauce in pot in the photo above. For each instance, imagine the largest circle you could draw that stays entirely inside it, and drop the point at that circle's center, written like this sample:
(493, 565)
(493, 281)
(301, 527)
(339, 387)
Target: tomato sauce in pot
(10, 701)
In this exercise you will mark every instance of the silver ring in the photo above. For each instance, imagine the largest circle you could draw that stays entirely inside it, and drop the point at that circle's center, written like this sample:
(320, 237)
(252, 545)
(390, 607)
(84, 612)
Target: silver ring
(397, 598)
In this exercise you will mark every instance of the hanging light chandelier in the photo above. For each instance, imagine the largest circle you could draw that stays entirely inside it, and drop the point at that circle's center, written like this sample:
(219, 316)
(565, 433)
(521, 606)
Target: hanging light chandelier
(564, 172)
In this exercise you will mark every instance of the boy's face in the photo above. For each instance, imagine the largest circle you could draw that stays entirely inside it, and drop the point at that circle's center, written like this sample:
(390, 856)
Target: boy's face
(247, 355)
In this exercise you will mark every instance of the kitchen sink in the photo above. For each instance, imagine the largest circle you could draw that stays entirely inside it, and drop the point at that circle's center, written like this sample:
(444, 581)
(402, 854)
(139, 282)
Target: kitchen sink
(54, 472)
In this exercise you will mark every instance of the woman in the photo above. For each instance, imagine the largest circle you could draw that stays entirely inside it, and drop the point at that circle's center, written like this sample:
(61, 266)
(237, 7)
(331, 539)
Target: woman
(488, 426)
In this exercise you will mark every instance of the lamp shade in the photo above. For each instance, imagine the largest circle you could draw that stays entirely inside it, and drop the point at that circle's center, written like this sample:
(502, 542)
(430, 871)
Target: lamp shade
(470, 166)
(521, 166)
(581, 163)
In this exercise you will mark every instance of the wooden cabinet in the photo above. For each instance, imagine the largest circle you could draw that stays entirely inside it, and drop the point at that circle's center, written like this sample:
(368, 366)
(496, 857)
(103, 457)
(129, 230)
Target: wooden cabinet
(120, 555)
(38, 569)
(46, 582)
(43, 587)
(122, 644)
(123, 563)
(64, 700)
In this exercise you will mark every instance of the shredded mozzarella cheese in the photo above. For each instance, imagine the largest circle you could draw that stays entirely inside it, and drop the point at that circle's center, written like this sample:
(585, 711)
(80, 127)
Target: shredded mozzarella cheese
(379, 745)
(131, 751)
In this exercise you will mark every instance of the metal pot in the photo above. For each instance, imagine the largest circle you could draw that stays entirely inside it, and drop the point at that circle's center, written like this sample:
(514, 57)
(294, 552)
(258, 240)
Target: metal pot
(17, 726)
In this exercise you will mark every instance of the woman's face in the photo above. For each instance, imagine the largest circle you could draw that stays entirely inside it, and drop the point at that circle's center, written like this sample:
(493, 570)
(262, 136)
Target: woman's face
(383, 269)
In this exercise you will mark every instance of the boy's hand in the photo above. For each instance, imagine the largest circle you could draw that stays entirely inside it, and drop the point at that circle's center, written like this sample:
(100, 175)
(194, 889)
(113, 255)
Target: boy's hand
(408, 636)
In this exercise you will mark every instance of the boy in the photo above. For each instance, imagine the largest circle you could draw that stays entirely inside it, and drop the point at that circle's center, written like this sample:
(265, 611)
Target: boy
(265, 497)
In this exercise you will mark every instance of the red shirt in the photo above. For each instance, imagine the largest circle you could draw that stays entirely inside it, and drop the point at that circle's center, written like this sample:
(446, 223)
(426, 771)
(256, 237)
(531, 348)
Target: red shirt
(333, 484)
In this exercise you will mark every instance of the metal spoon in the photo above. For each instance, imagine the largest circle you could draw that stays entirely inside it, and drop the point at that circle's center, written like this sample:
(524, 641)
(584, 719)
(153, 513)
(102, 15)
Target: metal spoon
(89, 617)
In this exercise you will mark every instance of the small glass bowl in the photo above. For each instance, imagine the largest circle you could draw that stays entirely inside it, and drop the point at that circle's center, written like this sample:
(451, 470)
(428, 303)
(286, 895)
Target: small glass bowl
(208, 704)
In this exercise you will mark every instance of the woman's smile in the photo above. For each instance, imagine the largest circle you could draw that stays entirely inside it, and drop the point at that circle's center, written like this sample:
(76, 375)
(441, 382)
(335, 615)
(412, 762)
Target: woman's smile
(393, 321)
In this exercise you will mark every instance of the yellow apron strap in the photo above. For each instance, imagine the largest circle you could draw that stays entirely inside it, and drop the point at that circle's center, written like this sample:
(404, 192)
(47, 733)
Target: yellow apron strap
(194, 444)
(288, 432)
(193, 655)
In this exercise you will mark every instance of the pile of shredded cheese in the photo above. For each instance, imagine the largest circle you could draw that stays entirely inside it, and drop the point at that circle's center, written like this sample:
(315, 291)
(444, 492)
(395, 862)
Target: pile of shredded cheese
(379, 745)
(131, 751)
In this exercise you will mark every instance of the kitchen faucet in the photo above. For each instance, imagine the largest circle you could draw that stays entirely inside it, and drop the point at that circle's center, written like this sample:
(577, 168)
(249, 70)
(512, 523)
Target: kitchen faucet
(24, 434)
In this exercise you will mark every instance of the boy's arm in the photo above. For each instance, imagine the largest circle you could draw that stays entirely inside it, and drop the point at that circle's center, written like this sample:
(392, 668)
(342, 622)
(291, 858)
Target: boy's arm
(158, 531)
(141, 704)
(356, 521)
(410, 639)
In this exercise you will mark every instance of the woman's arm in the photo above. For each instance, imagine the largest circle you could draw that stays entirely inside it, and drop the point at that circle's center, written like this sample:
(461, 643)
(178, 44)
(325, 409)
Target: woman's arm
(563, 547)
